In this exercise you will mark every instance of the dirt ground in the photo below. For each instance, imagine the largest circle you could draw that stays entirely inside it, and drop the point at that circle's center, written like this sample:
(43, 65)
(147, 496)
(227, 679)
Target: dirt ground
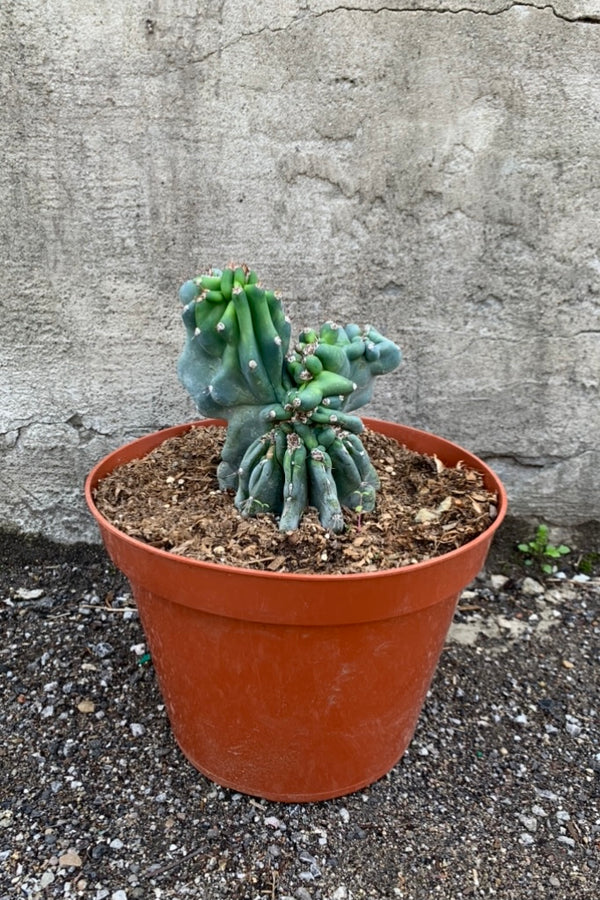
(498, 795)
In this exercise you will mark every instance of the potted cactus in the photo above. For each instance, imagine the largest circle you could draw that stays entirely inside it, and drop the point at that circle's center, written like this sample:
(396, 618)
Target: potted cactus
(289, 686)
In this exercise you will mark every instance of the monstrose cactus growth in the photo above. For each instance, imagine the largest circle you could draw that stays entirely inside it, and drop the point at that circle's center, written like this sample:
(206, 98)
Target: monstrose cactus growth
(291, 439)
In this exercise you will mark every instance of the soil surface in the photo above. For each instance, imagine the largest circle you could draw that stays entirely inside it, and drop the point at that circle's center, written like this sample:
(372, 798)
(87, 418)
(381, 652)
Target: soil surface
(171, 499)
(497, 796)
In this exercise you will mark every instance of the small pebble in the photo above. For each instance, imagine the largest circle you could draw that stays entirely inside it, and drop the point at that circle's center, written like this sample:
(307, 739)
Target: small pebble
(340, 893)
(546, 794)
(498, 581)
(563, 839)
(302, 894)
(573, 726)
(531, 587)
(530, 822)
(69, 859)
(33, 594)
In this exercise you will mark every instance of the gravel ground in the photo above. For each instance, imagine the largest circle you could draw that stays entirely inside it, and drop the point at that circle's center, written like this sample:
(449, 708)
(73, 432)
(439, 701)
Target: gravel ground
(498, 795)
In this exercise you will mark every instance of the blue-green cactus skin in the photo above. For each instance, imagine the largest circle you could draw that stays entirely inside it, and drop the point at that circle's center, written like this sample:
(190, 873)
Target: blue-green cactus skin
(292, 441)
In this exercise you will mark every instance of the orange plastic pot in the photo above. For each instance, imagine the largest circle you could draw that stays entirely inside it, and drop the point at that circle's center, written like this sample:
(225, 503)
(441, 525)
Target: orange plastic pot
(294, 687)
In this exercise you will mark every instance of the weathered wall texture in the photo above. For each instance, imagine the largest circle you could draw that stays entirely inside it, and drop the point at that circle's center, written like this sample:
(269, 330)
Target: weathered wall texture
(431, 167)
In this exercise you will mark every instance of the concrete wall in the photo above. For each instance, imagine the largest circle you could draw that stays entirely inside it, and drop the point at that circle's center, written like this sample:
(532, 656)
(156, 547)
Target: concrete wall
(433, 170)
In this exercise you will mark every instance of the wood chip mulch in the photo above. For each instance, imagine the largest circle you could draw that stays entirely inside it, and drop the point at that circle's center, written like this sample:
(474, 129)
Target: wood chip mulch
(171, 500)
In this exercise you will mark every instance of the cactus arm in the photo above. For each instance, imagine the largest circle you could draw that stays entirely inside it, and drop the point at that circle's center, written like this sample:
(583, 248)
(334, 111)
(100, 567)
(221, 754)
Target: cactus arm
(265, 492)
(334, 358)
(271, 345)
(243, 427)
(260, 487)
(365, 467)
(251, 458)
(326, 416)
(371, 354)
(345, 472)
(207, 317)
(249, 353)
(228, 326)
(323, 490)
(295, 488)
(229, 387)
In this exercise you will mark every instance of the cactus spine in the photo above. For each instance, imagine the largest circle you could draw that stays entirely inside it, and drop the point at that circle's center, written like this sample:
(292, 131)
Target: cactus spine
(291, 439)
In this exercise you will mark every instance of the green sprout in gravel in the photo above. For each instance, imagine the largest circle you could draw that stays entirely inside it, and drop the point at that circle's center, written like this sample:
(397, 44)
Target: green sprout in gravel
(539, 551)
(292, 441)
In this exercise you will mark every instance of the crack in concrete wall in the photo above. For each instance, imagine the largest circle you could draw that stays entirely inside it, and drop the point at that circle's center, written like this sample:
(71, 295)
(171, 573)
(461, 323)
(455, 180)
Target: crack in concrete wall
(536, 462)
(586, 19)
(76, 422)
(309, 14)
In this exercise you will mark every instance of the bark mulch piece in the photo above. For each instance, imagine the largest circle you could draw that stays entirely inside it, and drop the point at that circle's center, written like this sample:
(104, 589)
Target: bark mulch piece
(171, 500)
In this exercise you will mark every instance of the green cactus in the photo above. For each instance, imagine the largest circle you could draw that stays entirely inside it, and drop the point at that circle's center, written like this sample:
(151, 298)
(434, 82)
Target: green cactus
(291, 439)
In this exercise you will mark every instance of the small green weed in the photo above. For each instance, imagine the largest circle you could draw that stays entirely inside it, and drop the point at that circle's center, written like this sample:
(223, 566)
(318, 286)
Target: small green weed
(588, 562)
(539, 551)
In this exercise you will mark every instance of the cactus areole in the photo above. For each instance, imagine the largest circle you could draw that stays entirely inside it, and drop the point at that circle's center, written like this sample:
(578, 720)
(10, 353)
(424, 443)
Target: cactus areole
(291, 441)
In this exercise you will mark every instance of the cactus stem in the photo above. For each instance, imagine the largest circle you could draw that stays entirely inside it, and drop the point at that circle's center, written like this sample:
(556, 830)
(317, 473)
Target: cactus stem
(279, 437)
